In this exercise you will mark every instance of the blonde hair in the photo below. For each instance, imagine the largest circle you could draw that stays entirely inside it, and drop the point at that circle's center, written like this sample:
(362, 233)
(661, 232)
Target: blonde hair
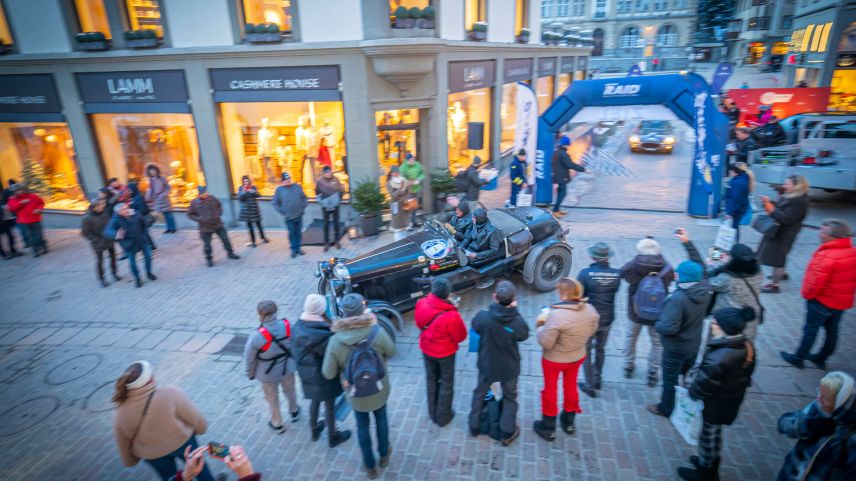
(800, 186)
(571, 290)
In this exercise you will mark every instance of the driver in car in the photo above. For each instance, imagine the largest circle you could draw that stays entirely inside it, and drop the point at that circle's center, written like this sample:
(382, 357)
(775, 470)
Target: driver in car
(461, 221)
(483, 243)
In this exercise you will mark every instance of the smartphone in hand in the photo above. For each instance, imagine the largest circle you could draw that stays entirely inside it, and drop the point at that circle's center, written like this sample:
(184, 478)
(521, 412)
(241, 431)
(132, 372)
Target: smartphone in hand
(218, 450)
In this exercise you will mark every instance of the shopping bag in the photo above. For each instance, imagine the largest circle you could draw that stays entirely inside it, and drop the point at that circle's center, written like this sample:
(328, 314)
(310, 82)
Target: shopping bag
(524, 200)
(474, 340)
(686, 417)
(725, 237)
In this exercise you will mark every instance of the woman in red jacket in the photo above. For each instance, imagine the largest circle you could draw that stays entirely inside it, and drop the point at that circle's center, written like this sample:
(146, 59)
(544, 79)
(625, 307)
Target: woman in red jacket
(442, 331)
(28, 207)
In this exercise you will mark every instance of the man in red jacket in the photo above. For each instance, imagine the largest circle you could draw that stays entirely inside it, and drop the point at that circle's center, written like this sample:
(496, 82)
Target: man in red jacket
(442, 331)
(828, 287)
(27, 207)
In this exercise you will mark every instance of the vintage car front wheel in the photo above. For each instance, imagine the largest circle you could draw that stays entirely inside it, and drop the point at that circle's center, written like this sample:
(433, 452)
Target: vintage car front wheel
(552, 265)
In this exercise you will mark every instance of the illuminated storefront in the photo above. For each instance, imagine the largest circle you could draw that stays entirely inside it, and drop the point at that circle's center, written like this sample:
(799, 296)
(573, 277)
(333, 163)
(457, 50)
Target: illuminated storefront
(469, 112)
(514, 71)
(275, 120)
(545, 84)
(581, 71)
(566, 73)
(754, 52)
(140, 119)
(843, 84)
(35, 144)
(278, 12)
(397, 136)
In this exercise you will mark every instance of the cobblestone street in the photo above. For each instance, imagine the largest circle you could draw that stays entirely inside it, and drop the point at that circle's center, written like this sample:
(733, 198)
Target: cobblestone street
(64, 340)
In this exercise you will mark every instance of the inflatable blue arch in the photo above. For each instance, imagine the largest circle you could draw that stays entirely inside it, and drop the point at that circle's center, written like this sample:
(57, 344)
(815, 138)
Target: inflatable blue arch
(688, 96)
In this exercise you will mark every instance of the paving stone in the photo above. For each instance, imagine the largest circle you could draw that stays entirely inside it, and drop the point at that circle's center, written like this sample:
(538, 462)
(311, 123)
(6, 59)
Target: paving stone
(37, 337)
(196, 342)
(173, 341)
(153, 339)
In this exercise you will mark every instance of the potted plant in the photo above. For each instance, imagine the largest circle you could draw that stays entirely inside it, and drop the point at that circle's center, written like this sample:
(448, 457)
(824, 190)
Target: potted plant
(262, 33)
(368, 201)
(479, 31)
(143, 38)
(428, 15)
(92, 41)
(402, 18)
(523, 35)
(415, 16)
(442, 186)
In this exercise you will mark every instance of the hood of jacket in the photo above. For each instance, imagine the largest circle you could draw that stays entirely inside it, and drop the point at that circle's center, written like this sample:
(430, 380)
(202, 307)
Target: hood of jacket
(502, 314)
(697, 293)
(437, 304)
(351, 330)
(648, 263)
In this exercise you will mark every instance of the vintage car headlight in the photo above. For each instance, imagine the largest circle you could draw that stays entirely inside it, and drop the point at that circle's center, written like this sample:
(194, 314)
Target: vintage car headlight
(669, 140)
(341, 272)
(634, 139)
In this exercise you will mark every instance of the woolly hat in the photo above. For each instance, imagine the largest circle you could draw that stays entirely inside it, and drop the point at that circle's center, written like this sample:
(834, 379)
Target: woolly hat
(521, 152)
(353, 305)
(733, 320)
(846, 390)
(648, 246)
(564, 140)
(689, 271)
(315, 304)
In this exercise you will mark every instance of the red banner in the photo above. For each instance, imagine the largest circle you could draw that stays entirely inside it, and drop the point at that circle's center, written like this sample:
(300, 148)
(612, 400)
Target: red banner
(783, 102)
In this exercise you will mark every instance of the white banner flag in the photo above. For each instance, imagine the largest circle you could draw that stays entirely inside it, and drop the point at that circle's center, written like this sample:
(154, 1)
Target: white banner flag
(526, 130)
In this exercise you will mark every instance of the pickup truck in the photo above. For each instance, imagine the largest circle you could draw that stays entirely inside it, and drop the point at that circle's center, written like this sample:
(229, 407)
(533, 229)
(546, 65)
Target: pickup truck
(825, 154)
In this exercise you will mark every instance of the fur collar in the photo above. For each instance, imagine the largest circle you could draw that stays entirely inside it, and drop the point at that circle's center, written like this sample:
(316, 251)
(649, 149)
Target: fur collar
(365, 319)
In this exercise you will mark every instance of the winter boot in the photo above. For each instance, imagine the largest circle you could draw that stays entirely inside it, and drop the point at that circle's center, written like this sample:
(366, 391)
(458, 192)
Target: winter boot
(699, 472)
(567, 421)
(339, 437)
(546, 428)
(316, 430)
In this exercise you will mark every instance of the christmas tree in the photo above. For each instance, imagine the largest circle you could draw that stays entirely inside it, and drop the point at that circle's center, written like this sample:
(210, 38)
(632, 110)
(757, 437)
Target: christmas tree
(35, 179)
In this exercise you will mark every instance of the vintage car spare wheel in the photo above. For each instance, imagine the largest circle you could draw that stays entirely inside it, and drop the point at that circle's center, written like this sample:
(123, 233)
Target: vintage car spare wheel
(386, 325)
(553, 264)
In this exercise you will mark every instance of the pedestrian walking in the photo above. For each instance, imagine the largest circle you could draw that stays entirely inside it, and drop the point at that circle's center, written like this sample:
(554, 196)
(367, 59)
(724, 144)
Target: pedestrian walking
(771, 134)
(472, 182)
(360, 345)
(743, 146)
(442, 330)
(647, 263)
(94, 222)
(517, 172)
(600, 282)
(290, 201)
(116, 192)
(736, 197)
(562, 167)
(744, 85)
(27, 207)
(156, 424)
(127, 227)
(329, 192)
(680, 327)
(310, 339)
(563, 334)
(206, 211)
(399, 191)
(825, 431)
(828, 288)
(135, 200)
(157, 196)
(723, 376)
(788, 211)
(7, 224)
(248, 196)
(500, 329)
(414, 173)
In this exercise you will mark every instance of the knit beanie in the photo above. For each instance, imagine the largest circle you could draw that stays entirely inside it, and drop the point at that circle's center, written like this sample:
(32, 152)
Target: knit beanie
(733, 320)
(564, 140)
(353, 305)
(648, 247)
(315, 304)
(689, 271)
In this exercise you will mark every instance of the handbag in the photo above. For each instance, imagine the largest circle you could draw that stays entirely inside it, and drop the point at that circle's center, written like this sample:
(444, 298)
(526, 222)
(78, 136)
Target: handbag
(766, 225)
(410, 203)
(330, 202)
(524, 200)
(757, 301)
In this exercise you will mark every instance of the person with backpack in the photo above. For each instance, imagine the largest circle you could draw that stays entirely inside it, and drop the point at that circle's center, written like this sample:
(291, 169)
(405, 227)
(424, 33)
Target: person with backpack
(600, 282)
(358, 352)
(268, 358)
(310, 338)
(442, 330)
(645, 302)
(500, 330)
(680, 325)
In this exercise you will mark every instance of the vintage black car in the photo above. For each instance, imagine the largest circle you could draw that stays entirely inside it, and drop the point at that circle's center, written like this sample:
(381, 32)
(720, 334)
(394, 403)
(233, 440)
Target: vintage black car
(395, 276)
(653, 136)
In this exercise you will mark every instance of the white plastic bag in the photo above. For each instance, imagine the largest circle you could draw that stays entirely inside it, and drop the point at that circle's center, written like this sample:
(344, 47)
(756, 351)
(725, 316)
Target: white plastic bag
(725, 237)
(524, 200)
(686, 417)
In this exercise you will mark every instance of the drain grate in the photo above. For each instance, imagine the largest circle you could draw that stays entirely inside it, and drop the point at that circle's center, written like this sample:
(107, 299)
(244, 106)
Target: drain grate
(235, 346)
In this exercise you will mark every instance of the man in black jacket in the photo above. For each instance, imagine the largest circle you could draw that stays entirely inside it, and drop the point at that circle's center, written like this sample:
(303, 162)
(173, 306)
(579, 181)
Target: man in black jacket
(461, 219)
(600, 283)
(470, 183)
(771, 133)
(482, 240)
(744, 145)
(501, 329)
(94, 222)
(562, 166)
(680, 325)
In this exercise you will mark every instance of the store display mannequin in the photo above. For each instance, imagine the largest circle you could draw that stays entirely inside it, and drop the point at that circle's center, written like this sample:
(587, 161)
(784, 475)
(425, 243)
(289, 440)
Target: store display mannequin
(328, 135)
(284, 155)
(265, 148)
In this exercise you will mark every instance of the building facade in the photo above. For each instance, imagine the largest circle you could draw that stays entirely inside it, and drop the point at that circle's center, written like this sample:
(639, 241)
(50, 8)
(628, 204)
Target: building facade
(760, 32)
(626, 32)
(213, 90)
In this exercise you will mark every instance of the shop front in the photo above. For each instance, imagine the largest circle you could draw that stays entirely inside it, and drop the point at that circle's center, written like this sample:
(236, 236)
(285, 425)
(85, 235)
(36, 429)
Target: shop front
(141, 119)
(469, 112)
(397, 136)
(35, 143)
(755, 51)
(283, 119)
(546, 82)
(581, 72)
(513, 71)
(843, 82)
(566, 73)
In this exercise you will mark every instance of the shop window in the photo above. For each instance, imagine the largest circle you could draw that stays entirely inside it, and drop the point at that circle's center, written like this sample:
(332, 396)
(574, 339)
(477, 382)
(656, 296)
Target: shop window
(474, 11)
(279, 12)
(508, 116)
(5, 34)
(842, 88)
(466, 108)
(92, 16)
(265, 139)
(544, 91)
(521, 15)
(130, 142)
(43, 154)
(564, 82)
(145, 15)
(847, 41)
(397, 136)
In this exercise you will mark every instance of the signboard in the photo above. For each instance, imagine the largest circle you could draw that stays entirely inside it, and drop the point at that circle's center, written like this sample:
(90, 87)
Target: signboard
(546, 66)
(160, 86)
(720, 76)
(634, 71)
(566, 65)
(516, 70)
(526, 130)
(471, 75)
(276, 84)
(28, 94)
(784, 102)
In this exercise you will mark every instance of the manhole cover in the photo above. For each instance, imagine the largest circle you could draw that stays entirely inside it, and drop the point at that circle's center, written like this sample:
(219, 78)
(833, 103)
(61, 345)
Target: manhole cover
(27, 414)
(100, 399)
(235, 346)
(73, 368)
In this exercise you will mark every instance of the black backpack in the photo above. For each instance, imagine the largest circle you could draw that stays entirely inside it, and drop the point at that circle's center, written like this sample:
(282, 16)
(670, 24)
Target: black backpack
(364, 369)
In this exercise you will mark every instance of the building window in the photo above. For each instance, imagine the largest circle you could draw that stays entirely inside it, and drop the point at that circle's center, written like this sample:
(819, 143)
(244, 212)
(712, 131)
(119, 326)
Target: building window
(278, 12)
(667, 36)
(521, 15)
(466, 108)
(597, 36)
(562, 8)
(474, 11)
(758, 23)
(600, 9)
(265, 139)
(642, 5)
(578, 8)
(5, 34)
(660, 5)
(546, 8)
(92, 17)
(629, 38)
(43, 154)
(145, 14)
(787, 21)
(508, 116)
(623, 6)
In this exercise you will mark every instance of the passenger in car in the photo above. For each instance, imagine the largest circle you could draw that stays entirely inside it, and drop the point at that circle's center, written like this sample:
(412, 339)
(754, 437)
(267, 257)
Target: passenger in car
(462, 221)
(483, 242)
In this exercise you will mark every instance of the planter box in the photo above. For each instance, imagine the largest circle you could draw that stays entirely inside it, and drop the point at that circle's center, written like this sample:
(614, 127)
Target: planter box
(143, 43)
(404, 23)
(93, 46)
(523, 39)
(263, 37)
(425, 23)
(479, 36)
(5, 48)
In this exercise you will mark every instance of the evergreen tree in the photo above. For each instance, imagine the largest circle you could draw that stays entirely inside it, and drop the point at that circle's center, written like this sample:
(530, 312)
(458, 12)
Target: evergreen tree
(713, 15)
(35, 179)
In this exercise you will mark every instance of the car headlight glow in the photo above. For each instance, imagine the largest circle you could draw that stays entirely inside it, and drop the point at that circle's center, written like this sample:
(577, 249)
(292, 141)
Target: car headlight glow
(669, 140)
(341, 272)
(634, 139)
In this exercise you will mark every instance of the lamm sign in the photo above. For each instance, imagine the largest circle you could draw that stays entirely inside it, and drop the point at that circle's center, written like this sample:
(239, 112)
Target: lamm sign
(131, 87)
